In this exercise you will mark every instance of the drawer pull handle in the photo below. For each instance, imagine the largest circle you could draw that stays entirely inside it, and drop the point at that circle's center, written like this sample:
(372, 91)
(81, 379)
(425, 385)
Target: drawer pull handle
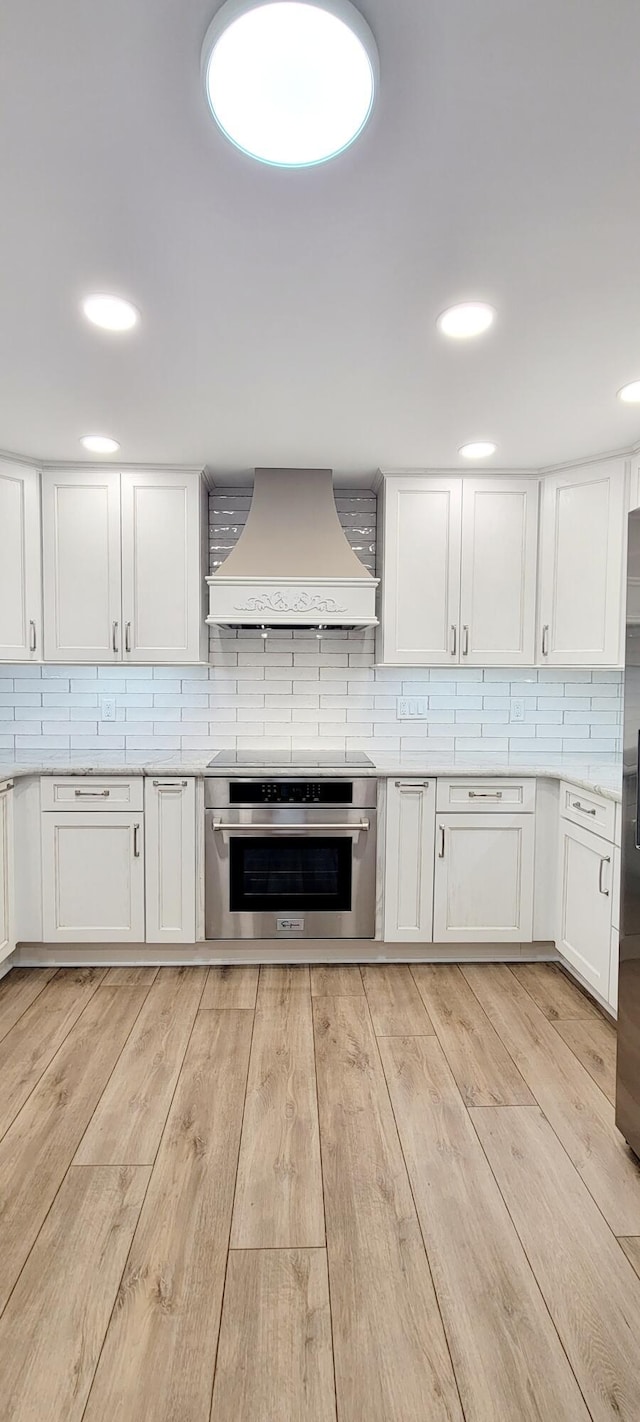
(454, 638)
(33, 640)
(545, 640)
(136, 843)
(412, 784)
(114, 637)
(602, 864)
(465, 642)
(170, 784)
(441, 849)
(485, 794)
(127, 637)
(586, 809)
(92, 793)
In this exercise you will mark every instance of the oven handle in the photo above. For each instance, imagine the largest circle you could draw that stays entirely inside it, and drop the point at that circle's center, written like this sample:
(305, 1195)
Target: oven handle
(286, 829)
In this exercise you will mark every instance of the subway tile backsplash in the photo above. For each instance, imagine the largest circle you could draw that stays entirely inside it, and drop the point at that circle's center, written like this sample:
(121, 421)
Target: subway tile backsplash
(330, 696)
(294, 690)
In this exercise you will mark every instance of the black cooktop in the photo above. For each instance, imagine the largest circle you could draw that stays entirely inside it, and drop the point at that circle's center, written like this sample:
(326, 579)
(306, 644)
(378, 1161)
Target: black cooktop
(267, 760)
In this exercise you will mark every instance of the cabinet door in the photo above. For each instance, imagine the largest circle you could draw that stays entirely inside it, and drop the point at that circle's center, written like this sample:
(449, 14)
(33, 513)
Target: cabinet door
(20, 583)
(92, 877)
(421, 574)
(584, 918)
(408, 906)
(499, 558)
(7, 940)
(161, 566)
(81, 545)
(170, 860)
(484, 878)
(581, 566)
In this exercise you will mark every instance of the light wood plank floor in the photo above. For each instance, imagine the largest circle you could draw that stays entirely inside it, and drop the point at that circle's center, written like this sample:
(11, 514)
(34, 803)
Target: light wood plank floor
(395, 1195)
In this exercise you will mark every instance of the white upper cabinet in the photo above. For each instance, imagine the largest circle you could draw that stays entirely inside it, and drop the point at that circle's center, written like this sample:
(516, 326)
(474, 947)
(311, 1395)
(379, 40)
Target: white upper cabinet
(498, 581)
(161, 567)
(123, 575)
(582, 559)
(20, 590)
(459, 576)
(81, 547)
(421, 578)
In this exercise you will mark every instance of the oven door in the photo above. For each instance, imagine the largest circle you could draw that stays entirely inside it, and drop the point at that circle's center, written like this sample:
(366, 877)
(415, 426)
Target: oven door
(283, 873)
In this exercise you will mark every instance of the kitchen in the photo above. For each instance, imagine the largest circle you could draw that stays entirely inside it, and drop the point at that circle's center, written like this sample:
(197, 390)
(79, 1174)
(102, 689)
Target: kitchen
(311, 743)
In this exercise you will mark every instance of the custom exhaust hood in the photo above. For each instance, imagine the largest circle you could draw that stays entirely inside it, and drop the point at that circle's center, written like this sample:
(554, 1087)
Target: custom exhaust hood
(292, 565)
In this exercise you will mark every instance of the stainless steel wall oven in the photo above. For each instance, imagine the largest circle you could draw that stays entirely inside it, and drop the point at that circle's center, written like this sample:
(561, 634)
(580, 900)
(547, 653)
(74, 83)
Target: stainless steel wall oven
(290, 858)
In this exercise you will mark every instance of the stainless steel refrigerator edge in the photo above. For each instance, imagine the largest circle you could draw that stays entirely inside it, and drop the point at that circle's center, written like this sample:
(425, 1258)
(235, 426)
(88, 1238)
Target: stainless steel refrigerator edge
(628, 1069)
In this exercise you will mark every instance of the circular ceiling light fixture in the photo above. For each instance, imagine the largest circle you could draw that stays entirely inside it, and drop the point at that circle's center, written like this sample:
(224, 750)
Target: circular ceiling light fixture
(112, 313)
(291, 84)
(469, 318)
(630, 394)
(100, 444)
(479, 449)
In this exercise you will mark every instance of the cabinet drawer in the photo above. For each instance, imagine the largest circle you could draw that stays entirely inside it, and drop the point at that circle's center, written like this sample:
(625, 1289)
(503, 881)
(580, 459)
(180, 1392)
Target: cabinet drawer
(97, 792)
(485, 795)
(591, 811)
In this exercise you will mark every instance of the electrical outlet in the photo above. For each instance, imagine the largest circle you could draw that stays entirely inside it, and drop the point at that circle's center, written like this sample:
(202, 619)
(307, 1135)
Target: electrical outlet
(108, 708)
(517, 708)
(411, 708)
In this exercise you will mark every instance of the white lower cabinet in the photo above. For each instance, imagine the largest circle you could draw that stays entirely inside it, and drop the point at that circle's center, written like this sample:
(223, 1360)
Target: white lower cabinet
(408, 908)
(93, 876)
(584, 910)
(7, 940)
(170, 860)
(483, 889)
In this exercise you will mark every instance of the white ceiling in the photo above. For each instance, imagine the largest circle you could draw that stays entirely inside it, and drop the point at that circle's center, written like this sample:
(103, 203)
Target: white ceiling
(288, 316)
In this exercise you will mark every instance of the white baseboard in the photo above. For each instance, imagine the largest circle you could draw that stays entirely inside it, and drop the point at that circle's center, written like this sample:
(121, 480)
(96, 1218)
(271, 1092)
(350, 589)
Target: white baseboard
(239, 951)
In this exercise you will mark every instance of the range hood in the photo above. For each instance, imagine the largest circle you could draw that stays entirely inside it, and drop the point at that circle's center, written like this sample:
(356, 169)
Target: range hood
(292, 565)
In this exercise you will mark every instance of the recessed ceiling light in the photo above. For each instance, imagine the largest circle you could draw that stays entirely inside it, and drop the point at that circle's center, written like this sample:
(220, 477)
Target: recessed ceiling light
(100, 444)
(469, 318)
(290, 83)
(479, 449)
(113, 313)
(630, 394)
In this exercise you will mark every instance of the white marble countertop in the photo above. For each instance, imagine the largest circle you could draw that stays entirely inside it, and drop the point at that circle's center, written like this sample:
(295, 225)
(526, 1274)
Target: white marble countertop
(601, 776)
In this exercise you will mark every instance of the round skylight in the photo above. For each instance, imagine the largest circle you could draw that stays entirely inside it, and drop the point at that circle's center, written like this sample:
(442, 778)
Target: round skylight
(469, 318)
(100, 444)
(112, 313)
(630, 394)
(478, 449)
(290, 84)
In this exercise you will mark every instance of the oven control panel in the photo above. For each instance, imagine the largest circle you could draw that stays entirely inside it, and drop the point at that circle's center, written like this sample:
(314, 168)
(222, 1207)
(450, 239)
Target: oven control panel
(291, 792)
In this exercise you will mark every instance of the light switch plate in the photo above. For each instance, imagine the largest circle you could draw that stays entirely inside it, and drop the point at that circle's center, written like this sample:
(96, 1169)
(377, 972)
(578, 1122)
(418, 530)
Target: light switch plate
(411, 708)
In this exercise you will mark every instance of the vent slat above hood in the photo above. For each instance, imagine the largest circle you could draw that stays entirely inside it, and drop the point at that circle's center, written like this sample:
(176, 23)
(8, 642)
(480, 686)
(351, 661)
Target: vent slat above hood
(292, 565)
